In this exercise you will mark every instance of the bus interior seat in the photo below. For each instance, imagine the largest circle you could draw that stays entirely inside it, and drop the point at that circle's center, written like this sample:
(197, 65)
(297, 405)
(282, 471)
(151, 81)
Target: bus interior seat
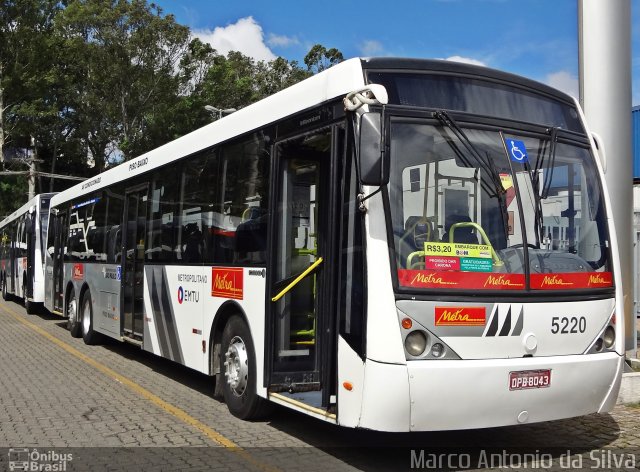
(463, 234)
(417, 231)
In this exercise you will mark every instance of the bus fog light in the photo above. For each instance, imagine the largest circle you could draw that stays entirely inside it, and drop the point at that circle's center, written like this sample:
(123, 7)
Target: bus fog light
(598, 345)
(609, 337)
(415, 343)
(437, 350)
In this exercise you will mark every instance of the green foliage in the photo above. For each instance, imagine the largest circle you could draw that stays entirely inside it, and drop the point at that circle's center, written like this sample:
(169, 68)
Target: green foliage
(320, 58)
(91, 83)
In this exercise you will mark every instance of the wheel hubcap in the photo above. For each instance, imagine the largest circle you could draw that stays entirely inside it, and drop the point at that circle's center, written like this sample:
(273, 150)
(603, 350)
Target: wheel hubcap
(86, 318)
(71, 311)
(237, 366)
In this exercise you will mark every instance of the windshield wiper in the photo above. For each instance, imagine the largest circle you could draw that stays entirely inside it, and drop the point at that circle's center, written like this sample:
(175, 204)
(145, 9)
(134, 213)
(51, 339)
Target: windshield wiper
(534, 176)
(553, 132)
(485, 163)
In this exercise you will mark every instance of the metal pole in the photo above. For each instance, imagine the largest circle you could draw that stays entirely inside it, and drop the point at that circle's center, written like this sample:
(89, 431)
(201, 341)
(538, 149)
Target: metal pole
(605, 94)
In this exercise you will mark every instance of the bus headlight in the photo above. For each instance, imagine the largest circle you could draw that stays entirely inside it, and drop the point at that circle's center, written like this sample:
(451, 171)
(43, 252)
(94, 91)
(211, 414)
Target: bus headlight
(415, 343)
(598, 345)
(609, 337)
(437, 350)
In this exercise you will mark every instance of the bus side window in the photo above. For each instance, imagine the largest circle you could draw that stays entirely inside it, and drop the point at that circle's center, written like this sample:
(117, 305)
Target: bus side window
(162, 225)
(115, 204)
(245, 196)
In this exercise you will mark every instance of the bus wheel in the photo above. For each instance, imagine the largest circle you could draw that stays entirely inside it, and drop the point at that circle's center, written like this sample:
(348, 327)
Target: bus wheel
(30, 307)
(73, 325)
(238, 369)
(88, 334)
(5, 294)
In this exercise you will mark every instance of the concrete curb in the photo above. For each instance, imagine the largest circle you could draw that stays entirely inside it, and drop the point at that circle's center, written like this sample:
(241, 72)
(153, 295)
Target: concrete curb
(630, 387)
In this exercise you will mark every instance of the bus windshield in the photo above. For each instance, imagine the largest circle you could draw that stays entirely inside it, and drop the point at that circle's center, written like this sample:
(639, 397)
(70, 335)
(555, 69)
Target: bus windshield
(478, 209)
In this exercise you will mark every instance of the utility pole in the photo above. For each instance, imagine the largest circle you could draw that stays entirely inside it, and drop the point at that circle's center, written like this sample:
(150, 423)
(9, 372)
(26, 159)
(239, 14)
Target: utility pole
(218, 113)
(605, 95)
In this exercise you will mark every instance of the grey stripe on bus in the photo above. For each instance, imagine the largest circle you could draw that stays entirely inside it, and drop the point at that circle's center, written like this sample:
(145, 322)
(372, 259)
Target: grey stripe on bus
(506, 327)
(163, 316)
(171, 326)
(493, 325)
(517, 330)
(158, 316)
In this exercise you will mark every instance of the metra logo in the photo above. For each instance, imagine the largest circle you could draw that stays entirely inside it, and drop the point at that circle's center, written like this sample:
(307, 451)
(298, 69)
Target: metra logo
(597, 279)
(554, 281)
(501, 281)
(188, 296)
(78, 272)
(464, 316)
(227, 282)
(430, 279)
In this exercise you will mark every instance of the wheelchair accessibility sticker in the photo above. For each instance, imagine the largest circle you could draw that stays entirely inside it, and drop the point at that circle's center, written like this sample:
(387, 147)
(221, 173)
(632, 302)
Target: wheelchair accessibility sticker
(516, 150)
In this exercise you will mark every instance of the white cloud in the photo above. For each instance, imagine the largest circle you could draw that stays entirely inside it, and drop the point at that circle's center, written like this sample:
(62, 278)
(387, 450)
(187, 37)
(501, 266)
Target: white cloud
(283, 41)
(466, 60)
(371, 47)
(245, 36)
(564, 81)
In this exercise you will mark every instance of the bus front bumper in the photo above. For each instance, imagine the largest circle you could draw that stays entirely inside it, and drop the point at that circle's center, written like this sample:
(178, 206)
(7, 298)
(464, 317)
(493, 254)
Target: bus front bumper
(449, 395)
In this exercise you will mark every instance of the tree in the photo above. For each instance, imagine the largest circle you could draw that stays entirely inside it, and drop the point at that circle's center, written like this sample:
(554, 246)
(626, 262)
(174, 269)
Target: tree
(26, 86)
(124, 56)
(320, 58)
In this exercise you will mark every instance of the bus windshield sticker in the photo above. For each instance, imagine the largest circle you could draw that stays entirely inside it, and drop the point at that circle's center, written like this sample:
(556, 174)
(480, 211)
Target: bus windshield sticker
(481, 251)
(516, 150)
(442, 263)
(476, 264)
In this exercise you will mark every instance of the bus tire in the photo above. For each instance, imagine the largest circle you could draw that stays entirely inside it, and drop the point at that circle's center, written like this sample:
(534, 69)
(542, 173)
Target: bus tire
(88, 334)
(73, 324)
(30, 307)
(238, 371)
(5, 295)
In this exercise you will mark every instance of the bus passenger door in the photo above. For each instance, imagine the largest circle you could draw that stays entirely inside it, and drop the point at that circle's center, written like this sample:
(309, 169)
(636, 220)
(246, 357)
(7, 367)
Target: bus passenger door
(59, 243)
(298, 261)
(30, 229)
(133, 245)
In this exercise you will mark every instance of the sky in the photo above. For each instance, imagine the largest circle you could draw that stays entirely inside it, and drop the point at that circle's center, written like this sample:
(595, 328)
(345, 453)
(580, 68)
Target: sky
(533, 38)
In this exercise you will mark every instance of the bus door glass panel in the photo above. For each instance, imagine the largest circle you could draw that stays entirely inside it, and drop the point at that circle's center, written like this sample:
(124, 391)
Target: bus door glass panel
(30, 232)
(14, 254)
(298, 246)
(59, 249)
(135, 218)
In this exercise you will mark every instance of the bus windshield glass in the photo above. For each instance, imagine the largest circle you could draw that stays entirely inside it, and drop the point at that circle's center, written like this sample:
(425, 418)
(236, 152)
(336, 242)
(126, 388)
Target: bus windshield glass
(486, 209)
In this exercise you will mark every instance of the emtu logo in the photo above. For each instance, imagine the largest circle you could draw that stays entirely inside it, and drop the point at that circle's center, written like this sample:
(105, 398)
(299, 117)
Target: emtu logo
(191, 296)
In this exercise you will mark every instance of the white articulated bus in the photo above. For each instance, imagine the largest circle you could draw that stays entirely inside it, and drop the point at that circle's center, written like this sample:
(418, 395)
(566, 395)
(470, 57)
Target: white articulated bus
(22, 237)
(392, 244)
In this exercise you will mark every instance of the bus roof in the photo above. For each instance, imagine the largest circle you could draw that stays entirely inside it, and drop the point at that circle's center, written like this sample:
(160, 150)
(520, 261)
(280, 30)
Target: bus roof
(24, 209)
(331, 83)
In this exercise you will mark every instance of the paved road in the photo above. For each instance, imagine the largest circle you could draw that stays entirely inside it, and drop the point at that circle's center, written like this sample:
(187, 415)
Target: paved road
(114, 407)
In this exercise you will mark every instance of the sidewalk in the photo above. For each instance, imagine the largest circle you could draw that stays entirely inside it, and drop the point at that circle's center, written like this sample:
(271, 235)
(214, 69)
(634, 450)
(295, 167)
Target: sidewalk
(630, 388)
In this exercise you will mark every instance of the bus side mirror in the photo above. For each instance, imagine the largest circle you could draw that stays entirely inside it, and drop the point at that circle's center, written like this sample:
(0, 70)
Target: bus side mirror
(602, 155)
(374, 169)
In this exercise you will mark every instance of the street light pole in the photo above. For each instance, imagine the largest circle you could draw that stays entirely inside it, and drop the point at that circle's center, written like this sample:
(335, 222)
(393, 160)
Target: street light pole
(218, 113)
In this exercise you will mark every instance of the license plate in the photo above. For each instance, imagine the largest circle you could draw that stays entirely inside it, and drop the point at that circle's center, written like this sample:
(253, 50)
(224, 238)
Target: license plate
(525, 379)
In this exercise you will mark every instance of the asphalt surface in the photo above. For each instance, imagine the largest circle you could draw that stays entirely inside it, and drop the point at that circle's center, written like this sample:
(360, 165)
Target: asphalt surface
(68, 406)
